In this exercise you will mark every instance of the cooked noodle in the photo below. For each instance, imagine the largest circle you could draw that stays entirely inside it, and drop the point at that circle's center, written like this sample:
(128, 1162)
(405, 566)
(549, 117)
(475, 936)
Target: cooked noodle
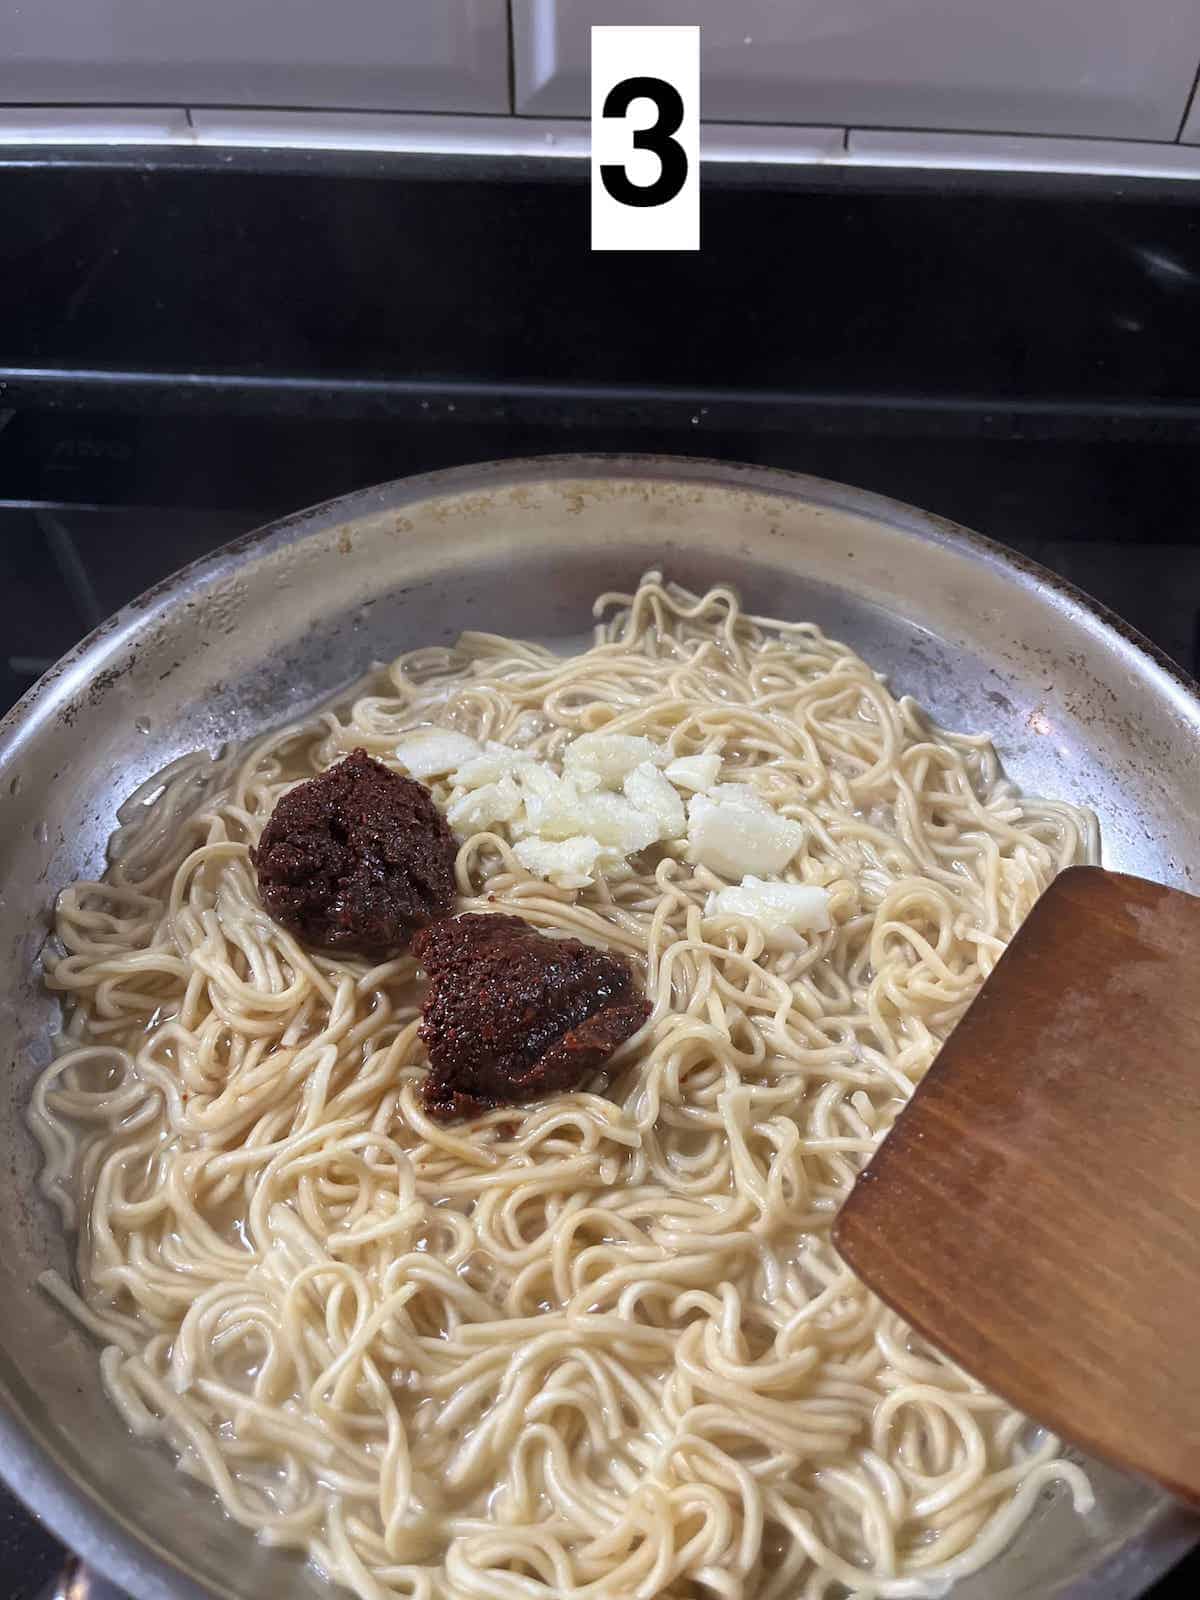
(600, 1346)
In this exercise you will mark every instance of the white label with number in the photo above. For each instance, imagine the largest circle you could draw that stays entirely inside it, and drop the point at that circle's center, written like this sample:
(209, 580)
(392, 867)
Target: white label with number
(645, 138)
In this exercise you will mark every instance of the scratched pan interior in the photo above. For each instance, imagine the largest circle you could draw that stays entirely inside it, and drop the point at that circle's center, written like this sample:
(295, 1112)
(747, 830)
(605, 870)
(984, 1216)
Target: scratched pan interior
(249, 637)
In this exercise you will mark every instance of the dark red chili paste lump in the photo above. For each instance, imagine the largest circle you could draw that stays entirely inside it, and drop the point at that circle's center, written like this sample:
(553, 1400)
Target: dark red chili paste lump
(511, 1015)
(357, 859)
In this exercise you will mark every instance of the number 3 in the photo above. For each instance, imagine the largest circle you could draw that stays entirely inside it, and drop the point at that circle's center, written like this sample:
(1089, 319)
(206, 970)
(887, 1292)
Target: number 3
(673, 165)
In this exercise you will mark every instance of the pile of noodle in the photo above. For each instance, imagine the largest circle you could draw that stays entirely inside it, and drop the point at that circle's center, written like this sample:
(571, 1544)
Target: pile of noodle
(599, 1346)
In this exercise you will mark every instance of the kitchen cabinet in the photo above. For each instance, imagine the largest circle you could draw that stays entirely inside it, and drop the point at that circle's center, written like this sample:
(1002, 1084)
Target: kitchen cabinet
(1103, 68)
(417, 55)
(1191, 127)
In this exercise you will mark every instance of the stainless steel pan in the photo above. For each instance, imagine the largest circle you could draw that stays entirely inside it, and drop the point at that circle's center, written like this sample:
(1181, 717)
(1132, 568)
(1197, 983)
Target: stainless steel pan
(1079, 706)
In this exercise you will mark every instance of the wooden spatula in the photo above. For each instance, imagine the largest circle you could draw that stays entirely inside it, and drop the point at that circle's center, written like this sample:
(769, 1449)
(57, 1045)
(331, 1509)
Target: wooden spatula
(1035, 1212)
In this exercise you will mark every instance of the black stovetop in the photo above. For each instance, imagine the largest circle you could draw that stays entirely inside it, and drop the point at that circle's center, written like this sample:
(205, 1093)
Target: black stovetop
(194, 347)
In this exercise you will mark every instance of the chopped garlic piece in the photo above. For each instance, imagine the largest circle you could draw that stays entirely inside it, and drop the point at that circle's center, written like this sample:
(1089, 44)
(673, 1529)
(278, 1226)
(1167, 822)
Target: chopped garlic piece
(612, 755)
(496, 761)
(490, 803)
(648, 789)
(776, 907)
(567, 862)
(553, 805)
(694, 772)
(540, 806)
(431, 751)
(734, 836)
(556, 809)
(740, 794)
(616, 821)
